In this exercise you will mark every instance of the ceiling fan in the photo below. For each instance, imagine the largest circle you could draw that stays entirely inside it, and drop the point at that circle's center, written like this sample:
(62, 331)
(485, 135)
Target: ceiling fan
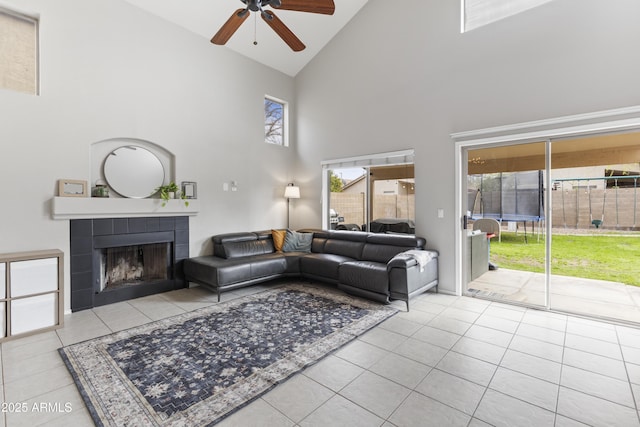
(326, 7)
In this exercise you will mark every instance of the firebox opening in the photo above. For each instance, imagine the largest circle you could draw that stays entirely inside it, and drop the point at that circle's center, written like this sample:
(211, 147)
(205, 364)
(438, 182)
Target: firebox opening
(132, 265)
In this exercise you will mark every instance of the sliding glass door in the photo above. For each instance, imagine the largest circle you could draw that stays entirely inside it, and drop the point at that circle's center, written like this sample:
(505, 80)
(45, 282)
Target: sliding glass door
(595, 267)
(505, 240)
(555, 224)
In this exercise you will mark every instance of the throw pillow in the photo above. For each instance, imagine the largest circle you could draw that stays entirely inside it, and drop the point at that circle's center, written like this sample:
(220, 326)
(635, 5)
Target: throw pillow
(297, 242)
(278, 239)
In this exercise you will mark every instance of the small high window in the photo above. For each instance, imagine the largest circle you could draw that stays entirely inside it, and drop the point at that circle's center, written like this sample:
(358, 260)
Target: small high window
(18, 52)
(477, 13)
(275, 121)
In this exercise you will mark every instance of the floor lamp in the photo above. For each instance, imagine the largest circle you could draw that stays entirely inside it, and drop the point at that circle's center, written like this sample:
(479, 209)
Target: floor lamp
(291, 191)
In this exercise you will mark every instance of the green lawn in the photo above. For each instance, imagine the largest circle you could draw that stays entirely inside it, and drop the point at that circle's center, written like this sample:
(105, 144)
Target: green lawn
(603, 257)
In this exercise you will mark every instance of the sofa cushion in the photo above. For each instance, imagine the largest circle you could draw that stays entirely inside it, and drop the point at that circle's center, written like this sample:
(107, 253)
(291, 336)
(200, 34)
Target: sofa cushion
(381, 253)
(297, 242)
(248, 248)
(220, 240)
(346, 243)
(215, 271)
(368, 275)
(321, 234)
(219, 272)
(404, 240)
(345, 248)
(319, 238)
(317, 245)
(292, 262)
(322, 265)
(234, 245)
(278, 239)
(268, 265)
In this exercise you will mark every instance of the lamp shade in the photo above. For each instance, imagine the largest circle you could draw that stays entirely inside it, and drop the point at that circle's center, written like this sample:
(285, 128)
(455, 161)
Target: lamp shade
(292, 192)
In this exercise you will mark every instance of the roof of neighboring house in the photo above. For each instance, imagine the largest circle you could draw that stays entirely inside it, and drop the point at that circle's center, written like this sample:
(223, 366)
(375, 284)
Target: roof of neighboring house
(352, 182)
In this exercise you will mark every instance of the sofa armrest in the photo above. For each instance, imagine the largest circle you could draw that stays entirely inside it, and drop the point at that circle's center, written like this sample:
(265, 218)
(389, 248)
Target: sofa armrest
(411, 273)
(412, 258)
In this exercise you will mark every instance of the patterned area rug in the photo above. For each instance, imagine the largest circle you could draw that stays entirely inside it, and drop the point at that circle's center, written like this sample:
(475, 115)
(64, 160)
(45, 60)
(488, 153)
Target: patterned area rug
(197, 368)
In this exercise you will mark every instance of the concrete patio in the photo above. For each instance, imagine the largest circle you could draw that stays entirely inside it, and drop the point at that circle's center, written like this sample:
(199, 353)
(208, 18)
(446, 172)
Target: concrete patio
(589, 297)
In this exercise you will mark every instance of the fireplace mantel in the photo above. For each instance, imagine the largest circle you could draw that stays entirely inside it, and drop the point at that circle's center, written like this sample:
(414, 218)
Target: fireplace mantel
(95, 207)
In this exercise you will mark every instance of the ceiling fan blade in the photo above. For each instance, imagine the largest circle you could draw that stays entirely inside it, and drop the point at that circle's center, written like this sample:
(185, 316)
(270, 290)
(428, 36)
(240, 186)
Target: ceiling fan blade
(326, 7)
(283, 31)
(230, 27)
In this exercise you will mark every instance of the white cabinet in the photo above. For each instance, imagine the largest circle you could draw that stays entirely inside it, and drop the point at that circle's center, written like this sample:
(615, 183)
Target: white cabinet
(31, 297)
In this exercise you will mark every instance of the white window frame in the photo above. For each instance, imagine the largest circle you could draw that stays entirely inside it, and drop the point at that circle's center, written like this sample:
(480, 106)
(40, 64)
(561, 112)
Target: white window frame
(35, 20)
(371, 160)
(285, 121)
(478, 13)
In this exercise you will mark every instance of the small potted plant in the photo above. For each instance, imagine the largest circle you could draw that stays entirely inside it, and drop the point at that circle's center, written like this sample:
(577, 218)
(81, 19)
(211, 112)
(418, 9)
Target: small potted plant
(170, 191)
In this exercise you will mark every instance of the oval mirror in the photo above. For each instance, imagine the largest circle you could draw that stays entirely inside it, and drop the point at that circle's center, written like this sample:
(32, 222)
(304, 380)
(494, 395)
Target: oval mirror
(133, 171)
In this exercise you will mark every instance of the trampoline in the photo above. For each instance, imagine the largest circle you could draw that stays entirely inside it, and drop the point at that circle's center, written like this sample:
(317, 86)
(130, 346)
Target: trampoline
(508, 197)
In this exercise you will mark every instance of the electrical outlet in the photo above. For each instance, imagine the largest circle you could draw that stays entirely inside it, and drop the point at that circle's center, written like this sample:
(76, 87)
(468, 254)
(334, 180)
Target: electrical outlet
(440, 213)
(225, 186)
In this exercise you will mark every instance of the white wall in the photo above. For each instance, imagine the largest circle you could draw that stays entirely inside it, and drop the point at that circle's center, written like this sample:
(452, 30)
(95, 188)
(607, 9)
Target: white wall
(110, 70)
(401, 75)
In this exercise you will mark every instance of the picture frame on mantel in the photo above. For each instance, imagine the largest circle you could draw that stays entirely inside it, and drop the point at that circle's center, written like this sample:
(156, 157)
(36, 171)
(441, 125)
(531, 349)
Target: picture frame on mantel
(189, 189)
(72, 188)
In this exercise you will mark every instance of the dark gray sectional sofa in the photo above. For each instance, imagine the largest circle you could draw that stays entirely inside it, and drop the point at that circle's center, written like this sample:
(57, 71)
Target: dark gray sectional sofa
(381, 267)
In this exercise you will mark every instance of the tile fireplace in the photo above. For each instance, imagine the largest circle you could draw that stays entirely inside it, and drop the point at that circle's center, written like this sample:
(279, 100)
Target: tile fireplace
(115, 259)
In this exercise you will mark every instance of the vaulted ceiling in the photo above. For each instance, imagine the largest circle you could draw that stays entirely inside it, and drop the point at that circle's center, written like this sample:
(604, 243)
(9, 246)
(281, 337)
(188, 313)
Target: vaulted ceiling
(205, 17)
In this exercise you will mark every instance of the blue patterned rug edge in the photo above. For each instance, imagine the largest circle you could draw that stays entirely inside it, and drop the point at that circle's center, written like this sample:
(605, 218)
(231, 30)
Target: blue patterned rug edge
(83, 393)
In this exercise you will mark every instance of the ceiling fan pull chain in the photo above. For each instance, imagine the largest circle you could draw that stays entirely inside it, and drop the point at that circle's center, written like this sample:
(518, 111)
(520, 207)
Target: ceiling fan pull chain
(255, 26)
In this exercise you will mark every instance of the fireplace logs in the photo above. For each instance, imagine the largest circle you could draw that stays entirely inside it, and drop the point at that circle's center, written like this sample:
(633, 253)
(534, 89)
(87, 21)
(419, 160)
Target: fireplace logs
(130, 265)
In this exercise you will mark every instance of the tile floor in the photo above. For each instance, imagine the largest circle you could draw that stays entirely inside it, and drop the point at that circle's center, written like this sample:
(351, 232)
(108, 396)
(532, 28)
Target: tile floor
(601, 298)
(450, 361)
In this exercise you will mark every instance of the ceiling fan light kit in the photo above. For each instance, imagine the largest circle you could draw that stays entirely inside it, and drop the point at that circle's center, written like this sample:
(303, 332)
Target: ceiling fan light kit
(325, 7)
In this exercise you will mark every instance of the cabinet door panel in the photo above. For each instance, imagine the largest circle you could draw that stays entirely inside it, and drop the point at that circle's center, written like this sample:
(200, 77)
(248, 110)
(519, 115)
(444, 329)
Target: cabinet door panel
(29, 314)
(34, 276)
(3, 319)
(3, 278)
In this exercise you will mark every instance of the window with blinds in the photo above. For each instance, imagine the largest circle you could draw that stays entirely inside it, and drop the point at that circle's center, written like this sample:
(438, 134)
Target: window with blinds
(477, 13)
(18, 52)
